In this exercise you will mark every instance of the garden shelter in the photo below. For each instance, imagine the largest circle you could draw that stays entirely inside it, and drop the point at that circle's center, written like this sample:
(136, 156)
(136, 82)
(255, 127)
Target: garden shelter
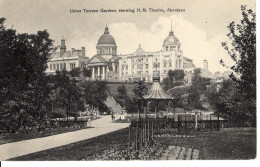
(157, 94)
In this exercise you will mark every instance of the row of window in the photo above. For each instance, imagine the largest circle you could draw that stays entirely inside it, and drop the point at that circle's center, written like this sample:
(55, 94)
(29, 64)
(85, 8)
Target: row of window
(140, 66)
(108, 50)
(60, 66)
(170, 48)
(146, 72)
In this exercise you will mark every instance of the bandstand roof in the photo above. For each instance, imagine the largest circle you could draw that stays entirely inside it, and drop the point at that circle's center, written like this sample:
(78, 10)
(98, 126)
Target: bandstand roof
(156, 92)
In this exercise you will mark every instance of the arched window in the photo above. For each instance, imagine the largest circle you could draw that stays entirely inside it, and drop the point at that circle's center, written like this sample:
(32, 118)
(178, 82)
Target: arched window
(57, 66)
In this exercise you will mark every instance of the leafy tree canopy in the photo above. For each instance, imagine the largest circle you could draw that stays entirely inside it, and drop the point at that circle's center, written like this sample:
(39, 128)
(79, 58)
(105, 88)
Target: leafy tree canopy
(95, 92)
(23, 61)
(174, 78)
(242, 50)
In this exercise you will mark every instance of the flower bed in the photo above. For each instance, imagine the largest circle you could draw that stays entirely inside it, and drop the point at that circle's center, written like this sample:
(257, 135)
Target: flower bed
(154, 151)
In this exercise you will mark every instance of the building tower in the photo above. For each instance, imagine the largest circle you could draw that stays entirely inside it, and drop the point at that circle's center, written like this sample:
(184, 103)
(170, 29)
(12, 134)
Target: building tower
(205, 63)
(171, 42)
(106, 45)
(62, 46)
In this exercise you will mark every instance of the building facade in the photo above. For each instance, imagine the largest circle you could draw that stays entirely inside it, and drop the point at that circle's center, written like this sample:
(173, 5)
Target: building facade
(107, 65)
(104, 65)
(141, 65)
(67, 60)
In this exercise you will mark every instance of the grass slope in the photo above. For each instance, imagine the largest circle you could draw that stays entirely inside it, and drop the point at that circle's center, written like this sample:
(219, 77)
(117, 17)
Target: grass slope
(129, 88)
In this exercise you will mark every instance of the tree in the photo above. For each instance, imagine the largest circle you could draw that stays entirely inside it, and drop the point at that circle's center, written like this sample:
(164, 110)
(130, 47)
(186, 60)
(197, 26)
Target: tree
(68, 93)
(124, 100)
(87, 72)
(174, 78)
(225, 99)
(197, 87)
(23, 83)
(122, 97)
(75, 72)
(242, 51)
(122, 94)
(180, 93)
(95, 93)
(139, 91)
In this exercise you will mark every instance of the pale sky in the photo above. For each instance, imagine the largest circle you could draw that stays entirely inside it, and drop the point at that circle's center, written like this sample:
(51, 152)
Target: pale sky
(200, 29)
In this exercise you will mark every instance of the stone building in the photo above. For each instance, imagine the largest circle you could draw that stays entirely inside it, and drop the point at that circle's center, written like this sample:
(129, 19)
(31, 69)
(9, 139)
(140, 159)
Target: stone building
(67, 59)
(104, 65)
(141, 65)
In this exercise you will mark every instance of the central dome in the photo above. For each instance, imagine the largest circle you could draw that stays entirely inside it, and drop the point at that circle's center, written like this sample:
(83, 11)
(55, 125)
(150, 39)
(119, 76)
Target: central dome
(106, 38)
(171, 39)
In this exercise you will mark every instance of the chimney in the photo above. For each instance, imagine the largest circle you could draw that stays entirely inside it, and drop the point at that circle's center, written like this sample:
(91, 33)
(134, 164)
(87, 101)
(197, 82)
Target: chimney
(72, 50)
(62, 47)
(83, 51)
(205, 62)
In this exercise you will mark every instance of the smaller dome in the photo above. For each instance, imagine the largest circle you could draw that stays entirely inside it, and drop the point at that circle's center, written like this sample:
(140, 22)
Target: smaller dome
(171, 39)
(106, 38)
(139, 51)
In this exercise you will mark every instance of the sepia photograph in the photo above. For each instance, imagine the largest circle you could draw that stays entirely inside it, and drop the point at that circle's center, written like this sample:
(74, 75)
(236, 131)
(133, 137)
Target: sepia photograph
(132, 80)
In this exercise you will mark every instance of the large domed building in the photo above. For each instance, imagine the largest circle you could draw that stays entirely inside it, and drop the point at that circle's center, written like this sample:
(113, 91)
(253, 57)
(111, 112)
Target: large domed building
(104, 64)
(140, 65)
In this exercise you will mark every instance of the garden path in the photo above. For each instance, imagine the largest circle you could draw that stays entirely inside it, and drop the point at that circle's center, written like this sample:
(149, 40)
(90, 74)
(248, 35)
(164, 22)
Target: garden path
(101, 126)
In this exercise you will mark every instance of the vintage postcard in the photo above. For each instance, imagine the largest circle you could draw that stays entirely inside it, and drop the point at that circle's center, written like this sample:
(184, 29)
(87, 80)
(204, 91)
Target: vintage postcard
(132, 80)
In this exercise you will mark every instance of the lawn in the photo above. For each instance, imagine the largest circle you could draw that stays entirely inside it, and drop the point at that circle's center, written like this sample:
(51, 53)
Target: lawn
(233, 143)
(229, 143)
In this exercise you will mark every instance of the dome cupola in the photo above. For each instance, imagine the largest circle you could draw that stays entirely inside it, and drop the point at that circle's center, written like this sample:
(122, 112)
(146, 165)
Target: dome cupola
(171, 42)
(106, 38)
(106, 44)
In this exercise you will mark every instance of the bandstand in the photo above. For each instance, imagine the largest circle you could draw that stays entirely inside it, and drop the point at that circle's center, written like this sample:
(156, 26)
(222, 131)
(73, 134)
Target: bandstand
(143, 128)
(157, 94)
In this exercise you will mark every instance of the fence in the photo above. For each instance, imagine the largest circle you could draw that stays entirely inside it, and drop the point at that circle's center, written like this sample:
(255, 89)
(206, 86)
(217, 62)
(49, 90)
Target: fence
(143, 130)
(239, 122)
(183, 122)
